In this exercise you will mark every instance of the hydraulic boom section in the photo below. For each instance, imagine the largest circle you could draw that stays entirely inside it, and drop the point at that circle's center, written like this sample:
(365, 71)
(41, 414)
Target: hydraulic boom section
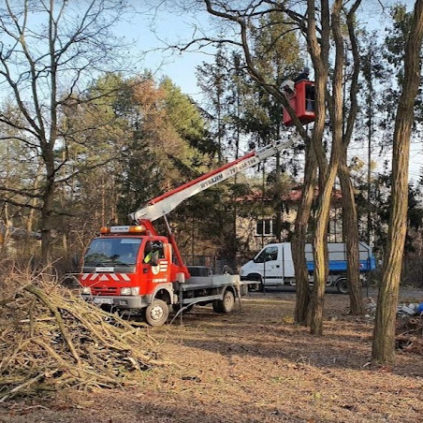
(162, 205)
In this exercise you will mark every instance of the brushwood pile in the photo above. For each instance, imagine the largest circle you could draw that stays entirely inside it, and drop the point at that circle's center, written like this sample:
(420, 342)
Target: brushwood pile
(52, 339)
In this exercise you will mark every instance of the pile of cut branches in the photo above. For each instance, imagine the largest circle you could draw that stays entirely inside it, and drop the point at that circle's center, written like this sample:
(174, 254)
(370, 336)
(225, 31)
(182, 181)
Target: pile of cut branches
(50, 339)
(409, 336)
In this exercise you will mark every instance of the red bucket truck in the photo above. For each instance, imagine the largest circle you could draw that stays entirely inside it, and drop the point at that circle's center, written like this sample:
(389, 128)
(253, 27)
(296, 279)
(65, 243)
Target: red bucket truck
(134, 269)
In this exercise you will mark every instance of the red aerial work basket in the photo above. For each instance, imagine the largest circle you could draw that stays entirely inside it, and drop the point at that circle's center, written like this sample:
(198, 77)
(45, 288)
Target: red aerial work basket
(302, 101)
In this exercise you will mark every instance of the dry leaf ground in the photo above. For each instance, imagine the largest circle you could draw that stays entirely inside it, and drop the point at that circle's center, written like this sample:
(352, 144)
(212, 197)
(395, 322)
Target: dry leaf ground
(254, 365)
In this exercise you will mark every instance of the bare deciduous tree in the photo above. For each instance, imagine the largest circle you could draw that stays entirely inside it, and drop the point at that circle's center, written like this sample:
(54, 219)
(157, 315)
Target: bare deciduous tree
(383, 351)
(315, 21)
(49, 50)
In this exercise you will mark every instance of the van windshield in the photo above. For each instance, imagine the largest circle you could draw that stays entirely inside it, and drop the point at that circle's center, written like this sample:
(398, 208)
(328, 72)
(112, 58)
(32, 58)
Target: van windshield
(268, 254)
(104, 252)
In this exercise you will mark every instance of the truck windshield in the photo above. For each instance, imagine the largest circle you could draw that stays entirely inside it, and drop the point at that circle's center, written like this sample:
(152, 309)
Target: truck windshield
(112, 251)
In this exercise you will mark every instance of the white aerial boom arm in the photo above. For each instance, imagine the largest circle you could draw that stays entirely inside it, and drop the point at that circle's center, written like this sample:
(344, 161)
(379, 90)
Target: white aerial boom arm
(162, 205)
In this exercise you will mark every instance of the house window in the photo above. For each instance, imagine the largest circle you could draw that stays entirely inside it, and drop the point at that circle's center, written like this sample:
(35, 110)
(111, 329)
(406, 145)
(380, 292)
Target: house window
(265, 227)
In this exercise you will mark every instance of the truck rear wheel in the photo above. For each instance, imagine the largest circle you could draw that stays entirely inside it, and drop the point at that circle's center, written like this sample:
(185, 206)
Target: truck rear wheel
(342, 286)
(226, 304)
(157, 313)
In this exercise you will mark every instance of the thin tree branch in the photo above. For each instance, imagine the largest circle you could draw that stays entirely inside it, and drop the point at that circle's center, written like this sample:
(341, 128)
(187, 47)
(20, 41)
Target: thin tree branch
(24, 193)
(356, 71)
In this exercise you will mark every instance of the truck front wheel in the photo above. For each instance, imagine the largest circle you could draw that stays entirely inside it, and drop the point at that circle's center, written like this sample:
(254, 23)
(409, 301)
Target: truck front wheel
(157, 313)
(226, 304)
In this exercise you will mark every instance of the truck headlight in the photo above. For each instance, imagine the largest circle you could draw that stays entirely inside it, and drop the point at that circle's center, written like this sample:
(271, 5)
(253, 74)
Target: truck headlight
(86, 290)
(135, 291)
(130, 291)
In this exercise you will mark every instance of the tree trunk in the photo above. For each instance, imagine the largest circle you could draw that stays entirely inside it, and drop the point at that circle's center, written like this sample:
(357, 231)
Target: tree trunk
(350, 229)
(4, 229)
(320, 252)
(319, 242)
(350, 219)
(47, 210)
(277, 199)
(383, 351)
(319, 54)
(47, 147)
(299, 239)
(46, 236)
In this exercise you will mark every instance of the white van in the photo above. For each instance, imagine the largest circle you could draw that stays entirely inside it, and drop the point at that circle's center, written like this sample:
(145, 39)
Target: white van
(274, 266)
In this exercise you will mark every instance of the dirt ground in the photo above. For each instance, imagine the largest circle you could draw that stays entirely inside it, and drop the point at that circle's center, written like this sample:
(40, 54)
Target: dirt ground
(254, 365)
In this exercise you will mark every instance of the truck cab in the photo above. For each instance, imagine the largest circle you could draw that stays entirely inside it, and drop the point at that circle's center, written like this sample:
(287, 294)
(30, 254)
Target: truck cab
(125, 268)
(128, 269)
(273, 265)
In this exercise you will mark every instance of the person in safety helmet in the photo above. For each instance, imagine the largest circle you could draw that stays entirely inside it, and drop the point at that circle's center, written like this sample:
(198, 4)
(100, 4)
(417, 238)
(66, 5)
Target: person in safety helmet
(303, 76)
(151, 252)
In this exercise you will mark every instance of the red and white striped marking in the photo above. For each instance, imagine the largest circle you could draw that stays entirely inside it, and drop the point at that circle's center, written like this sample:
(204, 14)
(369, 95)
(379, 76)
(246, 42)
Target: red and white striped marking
(163, 265)
(105, 277)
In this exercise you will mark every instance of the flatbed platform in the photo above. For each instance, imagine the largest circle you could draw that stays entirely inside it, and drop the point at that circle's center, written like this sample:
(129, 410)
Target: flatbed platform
(213, 281)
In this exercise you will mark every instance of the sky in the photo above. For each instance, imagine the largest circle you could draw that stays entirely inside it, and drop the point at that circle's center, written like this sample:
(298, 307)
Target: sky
(152, 29)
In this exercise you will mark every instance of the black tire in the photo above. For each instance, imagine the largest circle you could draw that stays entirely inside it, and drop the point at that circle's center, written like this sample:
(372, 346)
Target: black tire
(257, 287)
(342, 286)
(217, 306)
(260, 287)
(156, 313)
(226, 304)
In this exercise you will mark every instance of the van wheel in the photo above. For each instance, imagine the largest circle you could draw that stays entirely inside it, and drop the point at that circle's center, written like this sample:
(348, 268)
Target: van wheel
(157, 313)
(225, 305)
(342, 286)
(260, 287)
(256, 287)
